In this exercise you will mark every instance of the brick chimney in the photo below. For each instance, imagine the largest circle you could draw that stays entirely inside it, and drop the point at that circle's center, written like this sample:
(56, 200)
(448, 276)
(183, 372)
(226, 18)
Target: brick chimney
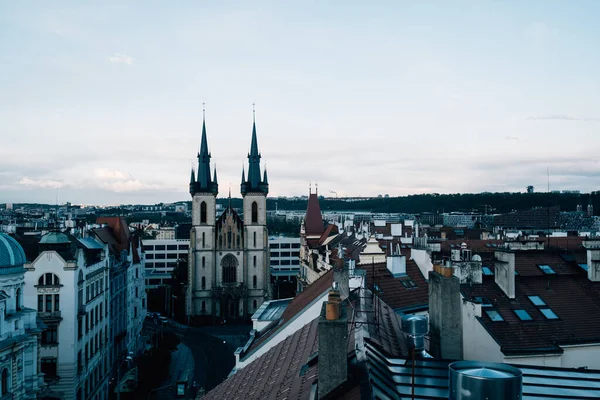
(333, 344)
(341, 276)
(445, 314)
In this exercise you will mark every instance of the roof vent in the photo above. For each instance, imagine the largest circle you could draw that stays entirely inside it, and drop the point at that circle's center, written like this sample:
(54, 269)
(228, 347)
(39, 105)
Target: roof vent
(415, 327)
(482, 380)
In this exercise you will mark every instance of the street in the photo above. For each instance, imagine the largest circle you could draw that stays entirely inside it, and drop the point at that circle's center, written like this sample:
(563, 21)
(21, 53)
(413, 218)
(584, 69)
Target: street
(213, 356)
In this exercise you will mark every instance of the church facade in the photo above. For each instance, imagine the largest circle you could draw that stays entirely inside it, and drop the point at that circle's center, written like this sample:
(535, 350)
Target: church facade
(228, 272)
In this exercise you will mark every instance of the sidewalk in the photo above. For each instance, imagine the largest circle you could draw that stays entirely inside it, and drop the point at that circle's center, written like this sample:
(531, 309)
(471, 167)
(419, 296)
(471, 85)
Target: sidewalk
(181, 360)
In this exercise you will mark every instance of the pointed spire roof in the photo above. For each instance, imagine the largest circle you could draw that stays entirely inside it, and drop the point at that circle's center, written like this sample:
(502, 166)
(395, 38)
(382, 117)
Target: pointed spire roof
(254, 183)
(243, 175)
(215, 175)
(313, 220)
(203, 183)
(192, 177)
(265, 180)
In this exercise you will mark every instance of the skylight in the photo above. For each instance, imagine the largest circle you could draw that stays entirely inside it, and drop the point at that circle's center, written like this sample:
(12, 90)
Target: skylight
(408, 283)
(523, 315)
(548, 313)
(546, 269)
(484, 301)
(583, 266)
(487, 271)
(494, 315)
(537, 300)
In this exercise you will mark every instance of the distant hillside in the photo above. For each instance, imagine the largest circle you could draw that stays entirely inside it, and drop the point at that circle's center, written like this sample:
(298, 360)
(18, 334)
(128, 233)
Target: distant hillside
(480, 202)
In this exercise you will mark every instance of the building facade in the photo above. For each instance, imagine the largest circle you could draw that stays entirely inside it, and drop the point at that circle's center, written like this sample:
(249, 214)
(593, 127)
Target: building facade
(67, 281)
(228, 261)
(19, 333)
(161, 258)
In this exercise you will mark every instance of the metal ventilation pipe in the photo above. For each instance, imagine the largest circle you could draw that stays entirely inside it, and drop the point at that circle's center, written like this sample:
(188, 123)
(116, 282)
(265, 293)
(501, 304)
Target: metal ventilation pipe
(475, 380)
(415, 327)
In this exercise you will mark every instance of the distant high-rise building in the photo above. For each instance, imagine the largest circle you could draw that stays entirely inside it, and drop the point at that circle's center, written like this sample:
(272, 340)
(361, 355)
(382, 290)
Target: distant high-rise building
(229, 255)
(530, 189)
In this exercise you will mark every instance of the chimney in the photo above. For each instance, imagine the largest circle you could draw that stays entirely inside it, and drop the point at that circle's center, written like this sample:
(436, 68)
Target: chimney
(341, 274)
(505, 272)
(593, 259)
(333, 344)
(445, 314)
(396, 263)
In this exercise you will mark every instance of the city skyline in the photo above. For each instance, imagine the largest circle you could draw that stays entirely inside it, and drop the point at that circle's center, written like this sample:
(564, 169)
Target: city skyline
(103, 102)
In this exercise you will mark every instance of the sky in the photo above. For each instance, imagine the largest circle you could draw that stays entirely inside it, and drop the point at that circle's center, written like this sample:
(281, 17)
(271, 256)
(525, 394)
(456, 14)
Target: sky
(101, 102)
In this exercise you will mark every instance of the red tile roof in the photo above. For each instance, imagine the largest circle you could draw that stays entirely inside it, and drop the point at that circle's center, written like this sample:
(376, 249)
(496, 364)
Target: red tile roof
(393, 292)
(296, 306)
(573, 298)
(313, 221)
(120, 231)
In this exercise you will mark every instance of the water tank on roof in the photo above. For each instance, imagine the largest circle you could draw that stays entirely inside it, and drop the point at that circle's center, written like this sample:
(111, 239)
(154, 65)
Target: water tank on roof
(471, 380)
(415, 327)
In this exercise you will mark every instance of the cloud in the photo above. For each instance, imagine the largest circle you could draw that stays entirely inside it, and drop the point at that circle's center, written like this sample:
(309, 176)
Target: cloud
(119, 58)
(103, 173)
(42, 183)
(559, 117)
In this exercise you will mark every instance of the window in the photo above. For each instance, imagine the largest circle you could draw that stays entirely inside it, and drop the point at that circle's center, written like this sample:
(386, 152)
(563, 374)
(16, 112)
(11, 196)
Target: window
(56, 302)
(229, 268)
(203, 262)
(295, 245)
(274, 262)
(203, 240)
(487, 271)
(49, 367)
(548, 313)
(254, 212)
(285, 254)
(203, 212)
(203, 306)
(172, 256)
(273, 245)
(254, 261)
(40, 302)
(583, 266)
(48, 279)
(79, 328)
(50, 335)
(160, 247)
(171, 247)
(18, 298)
(523, 315)
(148, 248)
(183, 247)
(149, 256)
(484, 301)
(254, 280)
(494, 315)
(5, 381)
(546, 269)
(254, 239)
(408, 283)
(48, 302)
(254, 304)
(161, 256)
(203, 283)
(286, 262)
(536, 300)
(285, 245)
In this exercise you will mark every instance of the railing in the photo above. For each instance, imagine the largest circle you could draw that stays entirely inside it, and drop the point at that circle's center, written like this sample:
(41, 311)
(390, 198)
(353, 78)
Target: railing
(49, 315)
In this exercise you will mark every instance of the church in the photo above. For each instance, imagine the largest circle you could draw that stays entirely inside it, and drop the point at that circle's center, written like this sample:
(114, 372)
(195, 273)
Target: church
(228, 262)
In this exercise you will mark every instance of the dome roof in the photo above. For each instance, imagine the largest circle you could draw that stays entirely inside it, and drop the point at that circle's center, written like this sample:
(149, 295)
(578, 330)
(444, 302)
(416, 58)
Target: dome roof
(11, 253)
(54, 238)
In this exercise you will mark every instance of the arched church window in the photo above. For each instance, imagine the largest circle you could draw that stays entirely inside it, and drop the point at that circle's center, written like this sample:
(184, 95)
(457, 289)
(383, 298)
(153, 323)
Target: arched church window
(229, 238)
(254, 280)
(203, 306)
(238, 241)
(18, 298)
(203, 283)
(220, 241)
(254, 239)
(203, 240)
(203, 262)
(203, 212)
(229, 268)
(254, 212)
(254, 261)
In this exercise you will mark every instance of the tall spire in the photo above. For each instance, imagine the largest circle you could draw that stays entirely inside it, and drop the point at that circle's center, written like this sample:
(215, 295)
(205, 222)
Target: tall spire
(215, 175)
(254, 183)
(265, 180)
(243, 175)
(203, 182)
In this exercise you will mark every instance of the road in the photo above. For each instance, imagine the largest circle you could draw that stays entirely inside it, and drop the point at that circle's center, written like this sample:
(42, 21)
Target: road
(213, 356)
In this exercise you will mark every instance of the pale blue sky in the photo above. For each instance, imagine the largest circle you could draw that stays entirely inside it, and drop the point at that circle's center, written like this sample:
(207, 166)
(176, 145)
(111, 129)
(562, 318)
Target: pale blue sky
(104, 99)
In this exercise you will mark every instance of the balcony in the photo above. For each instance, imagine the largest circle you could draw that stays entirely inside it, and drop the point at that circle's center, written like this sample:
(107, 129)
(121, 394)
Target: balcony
(50, 315)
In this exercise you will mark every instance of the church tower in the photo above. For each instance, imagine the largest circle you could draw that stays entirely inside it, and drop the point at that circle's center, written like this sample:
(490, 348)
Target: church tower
(201, 273)
(256, 246)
